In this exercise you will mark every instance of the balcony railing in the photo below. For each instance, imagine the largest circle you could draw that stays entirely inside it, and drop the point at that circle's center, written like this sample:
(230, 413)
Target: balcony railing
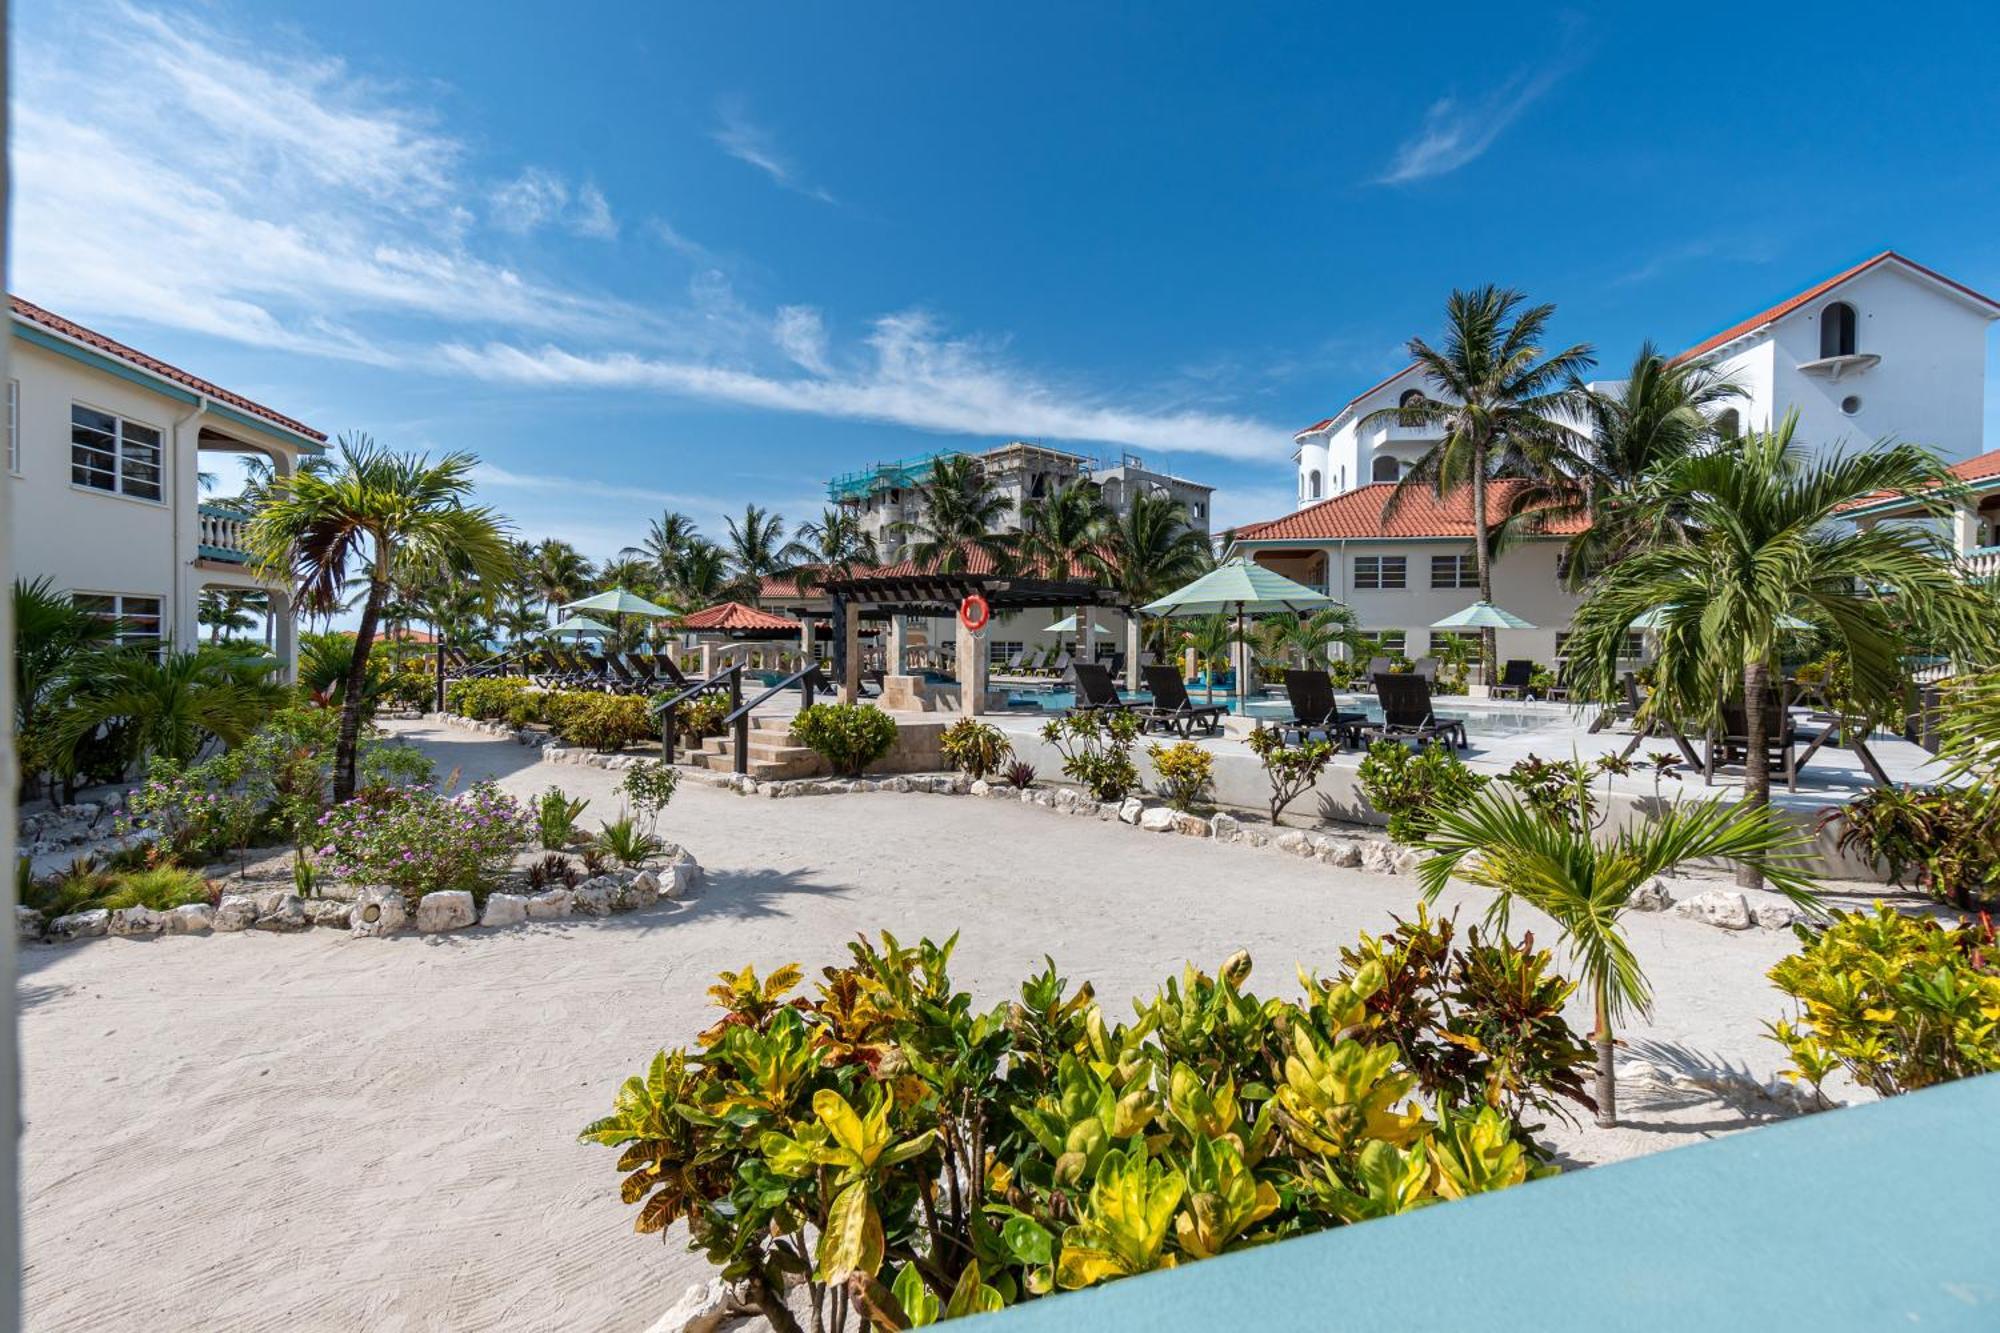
(222, 534)
(1982, 563)
(1395, 432)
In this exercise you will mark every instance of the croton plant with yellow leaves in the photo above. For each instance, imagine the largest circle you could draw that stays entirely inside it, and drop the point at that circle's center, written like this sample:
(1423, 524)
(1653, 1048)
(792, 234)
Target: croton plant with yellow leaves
(882, 1153)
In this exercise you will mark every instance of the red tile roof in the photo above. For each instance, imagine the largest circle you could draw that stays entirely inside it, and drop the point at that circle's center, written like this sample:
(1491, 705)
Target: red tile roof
(75, 332)
(1783, 308)
(782, 585)
(1983, 467)
(727, 617)
(1358, 513)
(1380, 384)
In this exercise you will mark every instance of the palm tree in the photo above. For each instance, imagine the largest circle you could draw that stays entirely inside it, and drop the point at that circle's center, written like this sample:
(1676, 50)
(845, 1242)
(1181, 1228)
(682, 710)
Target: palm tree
(668, 537)
(58, 648)
(1499, 402)
(378, 507)
(1144, 553)
(1660, 413)
(1765, 552)
(834, 544)
(702, 577)
(959, 511)
(1211, 637)
(755, 543)
(173, 706)
(1559, 867)
(1060, 533)
(1289, 636)
(562, 574)
(228, 609)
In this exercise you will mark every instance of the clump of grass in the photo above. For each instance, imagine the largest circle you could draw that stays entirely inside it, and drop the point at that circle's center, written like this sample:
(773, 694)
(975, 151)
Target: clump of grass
(87, 885)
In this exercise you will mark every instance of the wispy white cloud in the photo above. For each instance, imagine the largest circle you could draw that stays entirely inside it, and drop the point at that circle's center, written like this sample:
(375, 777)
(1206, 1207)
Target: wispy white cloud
(539, 198)
(1457, 130)
(1746, 249)
(749, 142)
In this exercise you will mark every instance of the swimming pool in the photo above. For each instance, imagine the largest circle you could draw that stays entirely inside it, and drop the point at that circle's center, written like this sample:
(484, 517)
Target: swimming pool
(1480, 719)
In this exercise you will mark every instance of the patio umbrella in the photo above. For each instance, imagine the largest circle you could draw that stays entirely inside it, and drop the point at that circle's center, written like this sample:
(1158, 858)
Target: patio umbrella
(578, 625)
(1657, 619)
(1482, 615)
(619, 603)
(1067, 625)
(1240, 587)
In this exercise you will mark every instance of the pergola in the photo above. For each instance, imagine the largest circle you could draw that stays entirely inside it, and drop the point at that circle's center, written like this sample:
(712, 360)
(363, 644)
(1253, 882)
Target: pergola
(908, 589)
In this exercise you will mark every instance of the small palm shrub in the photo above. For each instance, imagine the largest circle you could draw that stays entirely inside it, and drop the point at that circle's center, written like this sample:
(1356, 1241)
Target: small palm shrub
(1290, 769)
(1411, 786)
(624, 841)
(1897, 1002)
(1096, 750)
(848, 736)
(87, 885)
(1186, 774)
(918, 1158)
(603, 722)
(975, 748)
(555, 818)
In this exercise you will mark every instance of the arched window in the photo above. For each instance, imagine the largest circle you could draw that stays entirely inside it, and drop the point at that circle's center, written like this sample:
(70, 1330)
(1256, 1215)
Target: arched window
(1411, 398)
(1387, 469)
(1312, 492)
(1728, 424)
(1836, 330)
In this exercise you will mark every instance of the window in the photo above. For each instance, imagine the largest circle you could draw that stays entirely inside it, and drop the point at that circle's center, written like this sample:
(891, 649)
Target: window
(14, 426)
(999, 652)
(1473, 639)
(1393, 641)
(1380, 572)
(1386, 469)
(1454, 571)
(1312, 485)
(1851, 404)
(137, 618)
(1728, 424)
(1198, 509)
(108, 453)
(1836, 330)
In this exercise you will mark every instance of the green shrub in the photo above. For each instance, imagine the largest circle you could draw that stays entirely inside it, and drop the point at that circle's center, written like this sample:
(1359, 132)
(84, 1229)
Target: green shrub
(1407, 785)
(701, 716)
(200, 811)
(1096, 750)
(1897, 1002)
(975, 748)
(1290, 769)
(410, 687)
(490, 698)
(1186, 773)
(555, 818)
(848, 736)
(603, 722)
(951, 1160)
(649, 785)
(161, 888)
(1941, 840)
(86, 886)
(419, 842)
(625, 842)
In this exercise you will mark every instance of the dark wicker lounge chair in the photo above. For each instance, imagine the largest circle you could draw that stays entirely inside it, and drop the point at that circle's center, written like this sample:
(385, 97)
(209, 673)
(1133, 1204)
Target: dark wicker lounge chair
(1095, 690)
(1316, 709)
(1172, 710)
(1407, 715)
(1732, 746)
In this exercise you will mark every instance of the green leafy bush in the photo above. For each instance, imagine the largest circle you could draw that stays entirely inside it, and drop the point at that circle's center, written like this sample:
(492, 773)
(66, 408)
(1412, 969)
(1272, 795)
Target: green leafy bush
(409, 687)
(1096, 749)
(1186, 773)
(490, 698)
(555, 818)
(1897, 1002)
(1407, 785)
(953, 1161)
(848, 736)
(603, 722)
(975, 748)
(200, 811)
(625, 842)
(701, 716)
(1942, 840)
(649, 785)
(1291, 769)
(420, 842)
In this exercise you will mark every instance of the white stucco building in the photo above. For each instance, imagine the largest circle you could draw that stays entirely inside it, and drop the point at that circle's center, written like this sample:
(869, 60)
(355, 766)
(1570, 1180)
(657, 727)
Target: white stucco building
(105, 445)
(1887, 348)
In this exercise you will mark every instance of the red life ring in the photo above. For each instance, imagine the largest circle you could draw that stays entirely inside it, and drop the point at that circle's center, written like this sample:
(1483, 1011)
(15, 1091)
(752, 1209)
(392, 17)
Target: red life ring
(973, 612)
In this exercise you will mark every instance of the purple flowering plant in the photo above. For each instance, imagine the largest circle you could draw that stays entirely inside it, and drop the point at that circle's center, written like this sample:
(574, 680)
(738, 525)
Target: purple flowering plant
(415, 840)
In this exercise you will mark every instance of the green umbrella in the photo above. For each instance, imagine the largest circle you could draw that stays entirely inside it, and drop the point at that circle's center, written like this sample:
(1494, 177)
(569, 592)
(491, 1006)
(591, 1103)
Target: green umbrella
(1482, 615)
(1243, 587)
(1067, 625)
(579, 625)
(619, 602)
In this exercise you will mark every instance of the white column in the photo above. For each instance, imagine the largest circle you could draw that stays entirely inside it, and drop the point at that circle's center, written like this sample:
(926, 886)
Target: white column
(1964, 529)
(1131, 650)
(284, 633)
(707, 660)
(971, 672)
(899, 646)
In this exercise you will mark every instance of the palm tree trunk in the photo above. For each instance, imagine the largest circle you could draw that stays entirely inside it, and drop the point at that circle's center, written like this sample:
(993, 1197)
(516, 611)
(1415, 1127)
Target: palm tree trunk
(1483, 558)
(348, 741)
(1606, 1091)
(1756, 763)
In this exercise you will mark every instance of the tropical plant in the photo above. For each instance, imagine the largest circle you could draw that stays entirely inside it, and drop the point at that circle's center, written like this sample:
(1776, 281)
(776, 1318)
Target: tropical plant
(649, 785)
(419, 842)
(1585, 885)
(624, 841)
(895, 1153)
(1096, 749)
(197, 811)
(376, 508)
(975, 748)
(1942, 840)
(227, 610)
(959, 511)
(173, 707)
(1146, 552)
(1212, 638)
(1768, 553)
(488, 698)
(561, 574)
(556, 813)
(1897, 1002)
(1292, 770)
(1020, 775)
(756, 544)
(1185, 774)
(86, 886)
(552, 871)
(1410, 787)
(834, 545)
(603, 722)
(1060, 535)
(58, 647)
(702, 715)
(701, 577)
(667, 540)
(848, 736)
(1304, 639)
(1500, 403)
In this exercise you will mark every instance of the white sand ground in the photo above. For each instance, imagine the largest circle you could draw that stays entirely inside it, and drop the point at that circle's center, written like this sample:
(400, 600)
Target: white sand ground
(306, 1132)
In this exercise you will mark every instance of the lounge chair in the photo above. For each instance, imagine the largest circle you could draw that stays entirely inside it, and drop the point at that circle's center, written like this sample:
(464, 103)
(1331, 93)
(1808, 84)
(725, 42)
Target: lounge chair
(1781, 742)
(1315, 709)
(1172, 710)
(1514, 678)
(1427, 667)
(1407, 714)
(1377, 666)
(1095, 690)
(1559, 692)
(1625, 710)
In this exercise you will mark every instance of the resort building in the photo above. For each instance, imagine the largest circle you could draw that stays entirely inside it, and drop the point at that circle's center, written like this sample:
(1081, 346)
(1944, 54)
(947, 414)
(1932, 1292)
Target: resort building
(1887, 348)
(105, 447)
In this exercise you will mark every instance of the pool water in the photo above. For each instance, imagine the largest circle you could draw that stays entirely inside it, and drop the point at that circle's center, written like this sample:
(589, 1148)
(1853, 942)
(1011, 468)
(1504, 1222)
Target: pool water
(1479, 721)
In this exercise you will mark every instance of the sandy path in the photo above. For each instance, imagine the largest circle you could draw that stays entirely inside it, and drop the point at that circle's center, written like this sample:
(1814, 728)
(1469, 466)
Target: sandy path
(255, 1131)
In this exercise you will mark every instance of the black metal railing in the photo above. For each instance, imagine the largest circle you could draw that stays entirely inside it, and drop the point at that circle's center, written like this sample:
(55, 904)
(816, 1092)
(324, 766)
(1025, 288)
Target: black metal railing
(729, 678)
(738, 721)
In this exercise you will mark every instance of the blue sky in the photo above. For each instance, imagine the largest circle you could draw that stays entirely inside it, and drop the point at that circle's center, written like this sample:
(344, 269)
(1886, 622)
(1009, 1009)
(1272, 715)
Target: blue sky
(652, 256)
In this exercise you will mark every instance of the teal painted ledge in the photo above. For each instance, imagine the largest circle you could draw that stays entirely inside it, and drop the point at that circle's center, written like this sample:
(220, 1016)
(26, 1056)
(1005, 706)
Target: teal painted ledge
(1881, 1216)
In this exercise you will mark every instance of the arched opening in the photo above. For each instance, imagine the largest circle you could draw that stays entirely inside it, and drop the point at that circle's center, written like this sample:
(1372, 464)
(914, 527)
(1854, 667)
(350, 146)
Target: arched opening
(1836, 330)
(1411, 398)
(1312, 485)
(1728, 424)
(1387, 469)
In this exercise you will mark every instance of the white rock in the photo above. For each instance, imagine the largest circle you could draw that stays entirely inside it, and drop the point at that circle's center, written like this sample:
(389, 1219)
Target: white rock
(1379, 857)
(377, 912)
(504, 909)
(685, 880)
(190, 919)
(1295, 842)
(282, 911)
(28, 922)
(1407, 861)
(1718, 908)
(336, 913)
(1341, 852)
(1191, 825)
(1130, 809)
(1653, 897)
(447, 909)
(633, 896)
(549, 905)
(236, 911)
(1777, 916)
(703, 1310)
(1255, 835)
(1159, 819)
(137, 921)
(1225, 827)
(646, 886)
(80, 925)
(594, 897)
